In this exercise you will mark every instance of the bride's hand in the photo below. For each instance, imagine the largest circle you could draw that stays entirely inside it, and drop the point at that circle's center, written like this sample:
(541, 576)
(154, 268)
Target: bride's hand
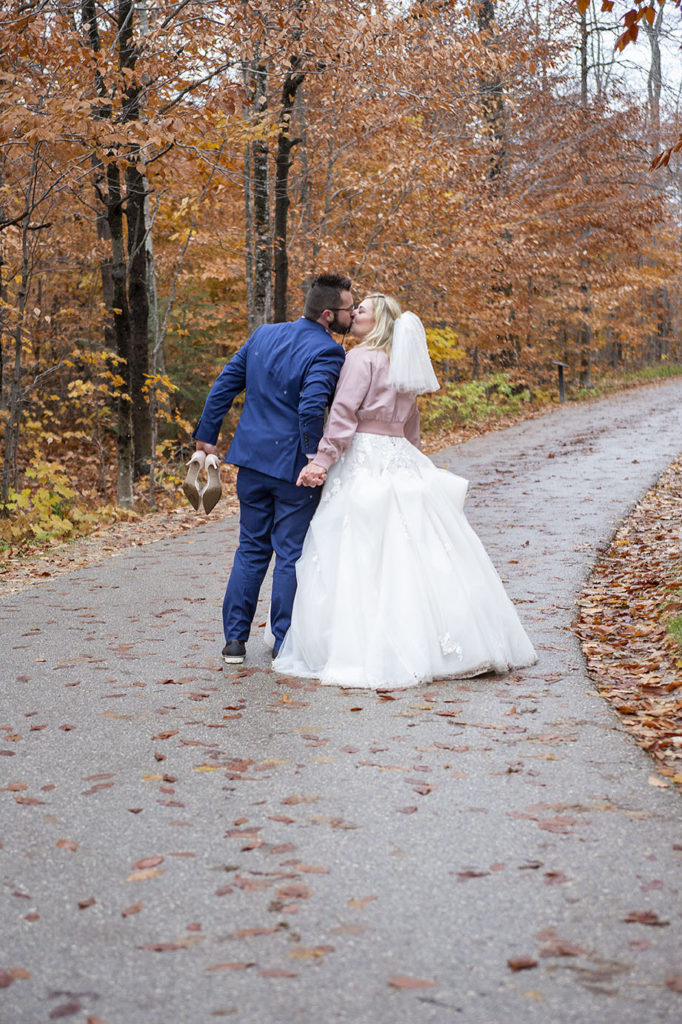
(312, 475)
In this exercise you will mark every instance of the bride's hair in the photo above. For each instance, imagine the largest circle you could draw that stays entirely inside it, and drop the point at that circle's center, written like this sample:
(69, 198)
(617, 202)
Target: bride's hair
(386, 311)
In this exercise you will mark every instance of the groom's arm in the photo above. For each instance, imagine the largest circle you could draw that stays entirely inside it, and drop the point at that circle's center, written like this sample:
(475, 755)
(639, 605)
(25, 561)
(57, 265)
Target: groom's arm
(316, 394)
(230, 382)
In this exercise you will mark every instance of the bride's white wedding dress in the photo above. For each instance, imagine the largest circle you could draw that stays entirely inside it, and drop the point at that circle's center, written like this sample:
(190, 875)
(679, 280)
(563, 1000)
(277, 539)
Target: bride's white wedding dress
(394, 586)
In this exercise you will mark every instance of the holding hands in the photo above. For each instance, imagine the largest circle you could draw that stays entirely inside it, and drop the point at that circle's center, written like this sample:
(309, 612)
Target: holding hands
(312, 475)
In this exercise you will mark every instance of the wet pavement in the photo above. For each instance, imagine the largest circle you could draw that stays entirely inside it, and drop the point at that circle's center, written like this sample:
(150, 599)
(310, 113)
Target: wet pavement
(182, 845)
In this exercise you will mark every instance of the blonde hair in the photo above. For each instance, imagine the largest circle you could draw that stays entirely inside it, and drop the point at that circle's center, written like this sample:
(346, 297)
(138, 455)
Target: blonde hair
(386, 311)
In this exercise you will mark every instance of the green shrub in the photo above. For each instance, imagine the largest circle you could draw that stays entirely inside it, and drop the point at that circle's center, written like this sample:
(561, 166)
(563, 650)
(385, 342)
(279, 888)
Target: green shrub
(474, 402)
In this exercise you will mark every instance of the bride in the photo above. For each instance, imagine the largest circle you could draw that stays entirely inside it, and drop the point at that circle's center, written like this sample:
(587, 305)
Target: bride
(394, 587)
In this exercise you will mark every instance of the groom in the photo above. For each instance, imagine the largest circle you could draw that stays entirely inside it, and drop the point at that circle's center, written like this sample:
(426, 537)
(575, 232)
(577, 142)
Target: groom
(289, 372)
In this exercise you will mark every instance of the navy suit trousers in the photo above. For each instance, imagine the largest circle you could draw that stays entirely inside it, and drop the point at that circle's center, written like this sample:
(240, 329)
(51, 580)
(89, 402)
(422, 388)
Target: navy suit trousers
(274, 516)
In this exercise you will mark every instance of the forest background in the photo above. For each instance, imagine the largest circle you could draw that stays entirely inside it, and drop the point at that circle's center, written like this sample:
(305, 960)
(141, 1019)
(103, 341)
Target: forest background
(173, 174)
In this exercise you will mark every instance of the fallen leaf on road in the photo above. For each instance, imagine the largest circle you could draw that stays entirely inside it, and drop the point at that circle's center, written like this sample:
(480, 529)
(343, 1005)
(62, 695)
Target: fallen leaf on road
(232, 966)
(644, 917)
(521, 963)
(64, 1010)
(314, 953)
(351, 928)
(674, 982)
(163, 947)
(148, 862)
(66, 844)
(246, 933)
(295, 891)
(561, 947)
(359, 904)
(405, 981)
(142, 876)
(84, 904)
(129, 911)
(96, 788)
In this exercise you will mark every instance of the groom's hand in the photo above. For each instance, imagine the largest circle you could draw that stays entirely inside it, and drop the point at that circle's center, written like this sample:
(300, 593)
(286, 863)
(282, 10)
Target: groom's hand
(204, 446)
(311, 475)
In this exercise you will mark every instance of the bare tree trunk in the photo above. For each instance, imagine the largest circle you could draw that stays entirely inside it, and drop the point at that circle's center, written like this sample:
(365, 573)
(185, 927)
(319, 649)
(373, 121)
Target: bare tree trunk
(248, 240)
(13, 426)
(654, 80)
(119, 271)
(91, 31)
(136, 192)
(305, 192)
(260, 155)
(157, 362)
(661, 297)
(4, 398)
(257, 196)
(285, 143)
(584, 332)
(492, 97)
(138, 298)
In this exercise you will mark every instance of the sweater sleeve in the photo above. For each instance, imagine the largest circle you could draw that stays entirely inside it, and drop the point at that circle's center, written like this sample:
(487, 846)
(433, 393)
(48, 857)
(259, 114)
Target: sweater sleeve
(412, 427)
(342, 422)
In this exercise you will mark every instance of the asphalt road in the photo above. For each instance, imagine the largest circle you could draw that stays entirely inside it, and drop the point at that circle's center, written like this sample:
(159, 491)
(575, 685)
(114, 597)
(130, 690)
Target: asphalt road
(181, 844)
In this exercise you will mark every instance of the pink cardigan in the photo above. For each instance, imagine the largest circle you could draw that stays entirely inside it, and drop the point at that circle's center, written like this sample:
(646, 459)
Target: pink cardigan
(366, 402)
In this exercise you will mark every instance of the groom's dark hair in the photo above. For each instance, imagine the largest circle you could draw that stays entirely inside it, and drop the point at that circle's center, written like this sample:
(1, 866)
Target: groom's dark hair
(324, 293)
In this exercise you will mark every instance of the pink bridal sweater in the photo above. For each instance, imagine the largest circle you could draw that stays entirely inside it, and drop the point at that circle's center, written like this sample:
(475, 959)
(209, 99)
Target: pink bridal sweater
(366, 402)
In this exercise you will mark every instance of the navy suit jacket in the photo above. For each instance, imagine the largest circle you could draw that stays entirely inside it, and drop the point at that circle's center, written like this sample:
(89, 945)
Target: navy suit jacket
(289, 372)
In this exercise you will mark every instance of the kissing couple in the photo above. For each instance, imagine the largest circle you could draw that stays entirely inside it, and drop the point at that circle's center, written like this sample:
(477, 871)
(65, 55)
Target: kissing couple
(379, 580)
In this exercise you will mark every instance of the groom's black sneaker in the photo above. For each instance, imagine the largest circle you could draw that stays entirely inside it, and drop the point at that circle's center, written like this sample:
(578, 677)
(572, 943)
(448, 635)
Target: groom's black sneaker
(234, 652)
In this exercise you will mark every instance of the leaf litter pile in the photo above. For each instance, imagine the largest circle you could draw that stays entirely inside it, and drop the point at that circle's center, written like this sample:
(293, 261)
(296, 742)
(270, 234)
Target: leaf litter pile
(630, 623)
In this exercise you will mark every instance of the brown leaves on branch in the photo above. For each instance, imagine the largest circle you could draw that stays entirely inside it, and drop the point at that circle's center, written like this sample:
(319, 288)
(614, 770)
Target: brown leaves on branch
(490, 219)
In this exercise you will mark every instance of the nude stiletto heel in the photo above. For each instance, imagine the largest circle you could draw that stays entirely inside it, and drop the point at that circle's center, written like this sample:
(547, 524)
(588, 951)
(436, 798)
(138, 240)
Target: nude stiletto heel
(195, 465)
(213, 491)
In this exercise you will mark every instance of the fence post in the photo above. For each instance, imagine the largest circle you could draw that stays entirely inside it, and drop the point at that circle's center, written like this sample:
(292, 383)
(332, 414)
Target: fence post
(560, 367)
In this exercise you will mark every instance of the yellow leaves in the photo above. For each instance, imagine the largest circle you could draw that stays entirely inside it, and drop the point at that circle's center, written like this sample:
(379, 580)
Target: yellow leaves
(444, 345)
(79, 388)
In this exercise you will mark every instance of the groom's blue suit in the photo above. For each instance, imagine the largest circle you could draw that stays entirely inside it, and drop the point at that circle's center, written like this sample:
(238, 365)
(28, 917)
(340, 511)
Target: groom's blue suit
(289, 372)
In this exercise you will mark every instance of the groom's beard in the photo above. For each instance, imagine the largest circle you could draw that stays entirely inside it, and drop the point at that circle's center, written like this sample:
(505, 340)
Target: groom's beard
(337, 328)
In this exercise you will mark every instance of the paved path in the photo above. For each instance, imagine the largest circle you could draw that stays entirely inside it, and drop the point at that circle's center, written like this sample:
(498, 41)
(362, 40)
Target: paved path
(316, 842)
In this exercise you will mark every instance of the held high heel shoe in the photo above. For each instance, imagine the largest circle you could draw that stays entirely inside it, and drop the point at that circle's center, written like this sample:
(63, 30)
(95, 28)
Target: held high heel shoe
(195, 465)
(213, 491)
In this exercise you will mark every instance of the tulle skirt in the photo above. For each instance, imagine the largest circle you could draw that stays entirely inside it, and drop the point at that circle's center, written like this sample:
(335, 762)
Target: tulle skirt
(394, 586)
